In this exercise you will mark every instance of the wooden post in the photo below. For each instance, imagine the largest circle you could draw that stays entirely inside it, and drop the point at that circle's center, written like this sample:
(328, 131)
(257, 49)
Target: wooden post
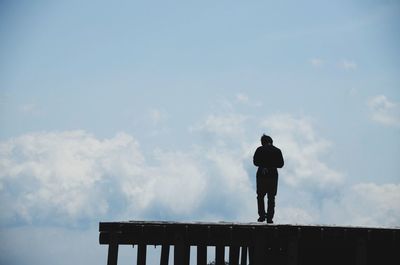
(220, 255)
(164, 254)
(202, 255)
(251, 255)
(112, 258)
(243, 258)
(181, 251)
(234, 255)
(141, 254)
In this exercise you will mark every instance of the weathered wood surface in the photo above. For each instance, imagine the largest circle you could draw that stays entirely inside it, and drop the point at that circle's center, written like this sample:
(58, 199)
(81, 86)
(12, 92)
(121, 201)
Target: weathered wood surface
(213, 234)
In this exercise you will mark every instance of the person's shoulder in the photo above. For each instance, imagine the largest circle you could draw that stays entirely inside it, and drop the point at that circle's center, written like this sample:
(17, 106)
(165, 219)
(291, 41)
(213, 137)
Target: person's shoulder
(276, 148)
(259, 148)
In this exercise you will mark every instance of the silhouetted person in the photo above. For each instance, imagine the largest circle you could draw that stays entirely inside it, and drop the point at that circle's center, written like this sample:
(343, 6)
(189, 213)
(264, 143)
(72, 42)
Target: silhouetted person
(267, 158)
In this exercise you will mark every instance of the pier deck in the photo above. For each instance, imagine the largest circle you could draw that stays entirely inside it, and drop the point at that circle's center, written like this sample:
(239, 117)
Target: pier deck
(254, 243)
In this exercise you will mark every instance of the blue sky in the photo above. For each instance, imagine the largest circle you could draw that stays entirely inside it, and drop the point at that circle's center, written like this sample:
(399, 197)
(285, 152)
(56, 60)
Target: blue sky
(117, 111)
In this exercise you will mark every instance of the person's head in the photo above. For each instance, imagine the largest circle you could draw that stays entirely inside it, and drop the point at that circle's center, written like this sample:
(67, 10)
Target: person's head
(266, 140)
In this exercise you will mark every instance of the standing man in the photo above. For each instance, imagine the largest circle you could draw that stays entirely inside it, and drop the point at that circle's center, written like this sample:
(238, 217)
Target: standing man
(267, 158)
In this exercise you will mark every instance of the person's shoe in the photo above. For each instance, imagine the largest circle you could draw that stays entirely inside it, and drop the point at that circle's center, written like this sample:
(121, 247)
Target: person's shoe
(269, 221)
(261, 219)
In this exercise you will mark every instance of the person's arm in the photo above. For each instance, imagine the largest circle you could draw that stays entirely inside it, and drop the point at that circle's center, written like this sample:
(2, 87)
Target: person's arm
(280, 161)
(256, 158)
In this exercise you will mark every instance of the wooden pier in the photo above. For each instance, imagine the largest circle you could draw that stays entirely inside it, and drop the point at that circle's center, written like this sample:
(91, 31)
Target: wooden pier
(254, 243)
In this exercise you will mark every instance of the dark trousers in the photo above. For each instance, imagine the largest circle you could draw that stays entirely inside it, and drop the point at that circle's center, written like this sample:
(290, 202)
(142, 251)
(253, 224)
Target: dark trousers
(261, 205)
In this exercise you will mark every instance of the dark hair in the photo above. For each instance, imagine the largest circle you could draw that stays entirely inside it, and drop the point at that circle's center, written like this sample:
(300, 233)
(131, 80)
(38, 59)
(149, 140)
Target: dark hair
(265, 139)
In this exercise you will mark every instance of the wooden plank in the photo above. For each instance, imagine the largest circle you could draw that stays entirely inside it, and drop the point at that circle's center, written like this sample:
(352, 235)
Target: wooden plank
(361, 252)
(259, 248)
(293, 249)
(110, 226)
(259, 255)
(231, 233)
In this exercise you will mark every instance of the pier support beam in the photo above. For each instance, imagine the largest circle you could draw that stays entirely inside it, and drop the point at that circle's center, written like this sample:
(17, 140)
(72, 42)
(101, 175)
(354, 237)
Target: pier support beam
(243, 258)
(202, 255)
(112, 258)
(234, 255)
(164, 255)
(141, 254)
(220, 255)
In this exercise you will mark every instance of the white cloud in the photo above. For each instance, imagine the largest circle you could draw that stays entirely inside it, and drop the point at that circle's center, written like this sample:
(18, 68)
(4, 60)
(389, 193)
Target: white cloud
(231, 170)
(365, 204)
(303, 150)
(311, 191)
(384, 111)
(229, 125)
(317, 62)
(65, 177)
(293, 215)
(348, 65)
(71, 177)
(361, 204)
(379, 204)
(176, 182)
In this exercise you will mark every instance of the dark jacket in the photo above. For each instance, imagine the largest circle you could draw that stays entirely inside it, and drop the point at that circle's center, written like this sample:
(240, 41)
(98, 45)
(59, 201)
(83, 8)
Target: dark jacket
(267, 158)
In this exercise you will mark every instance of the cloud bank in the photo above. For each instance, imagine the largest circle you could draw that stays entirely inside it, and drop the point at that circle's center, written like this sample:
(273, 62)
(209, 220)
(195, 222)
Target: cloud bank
(72, 178)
